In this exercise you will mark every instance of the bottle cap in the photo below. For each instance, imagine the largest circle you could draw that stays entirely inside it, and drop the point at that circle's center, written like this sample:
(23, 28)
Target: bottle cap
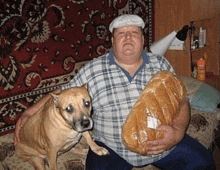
(200, 29)
(201, 61)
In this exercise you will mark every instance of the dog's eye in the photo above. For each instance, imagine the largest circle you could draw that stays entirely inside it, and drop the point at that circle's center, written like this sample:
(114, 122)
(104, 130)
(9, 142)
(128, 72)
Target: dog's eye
(87, 103)
(69, 109)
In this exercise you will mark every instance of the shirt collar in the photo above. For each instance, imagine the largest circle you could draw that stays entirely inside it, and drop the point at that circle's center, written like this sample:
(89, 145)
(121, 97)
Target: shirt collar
(112, 60)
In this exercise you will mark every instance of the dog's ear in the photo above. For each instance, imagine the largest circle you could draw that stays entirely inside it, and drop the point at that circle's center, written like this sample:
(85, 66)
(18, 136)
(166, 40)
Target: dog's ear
(85, 86)
(55, 98)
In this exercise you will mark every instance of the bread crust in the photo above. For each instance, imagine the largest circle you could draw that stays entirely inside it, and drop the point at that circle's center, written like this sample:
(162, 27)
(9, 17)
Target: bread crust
(159, 102)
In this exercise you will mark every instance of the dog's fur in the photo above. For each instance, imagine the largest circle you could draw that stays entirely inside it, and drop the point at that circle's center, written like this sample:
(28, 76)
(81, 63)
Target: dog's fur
(57, 127)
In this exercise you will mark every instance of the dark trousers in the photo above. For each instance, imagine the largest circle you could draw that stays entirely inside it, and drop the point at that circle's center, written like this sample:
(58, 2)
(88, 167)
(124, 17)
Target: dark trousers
(187, 155)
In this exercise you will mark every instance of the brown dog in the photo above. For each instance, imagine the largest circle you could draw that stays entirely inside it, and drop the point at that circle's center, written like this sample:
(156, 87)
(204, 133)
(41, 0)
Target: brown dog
(57, 127)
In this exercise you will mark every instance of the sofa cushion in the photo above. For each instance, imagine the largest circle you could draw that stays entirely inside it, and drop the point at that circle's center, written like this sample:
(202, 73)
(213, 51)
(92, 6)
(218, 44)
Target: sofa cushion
(201, 96)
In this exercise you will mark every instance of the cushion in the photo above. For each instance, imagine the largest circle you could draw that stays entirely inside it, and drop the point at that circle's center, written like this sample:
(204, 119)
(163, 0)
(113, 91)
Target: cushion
(201, 96)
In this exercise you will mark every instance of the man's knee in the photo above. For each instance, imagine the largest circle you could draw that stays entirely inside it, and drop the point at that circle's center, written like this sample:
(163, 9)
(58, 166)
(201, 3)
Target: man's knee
(205, 161)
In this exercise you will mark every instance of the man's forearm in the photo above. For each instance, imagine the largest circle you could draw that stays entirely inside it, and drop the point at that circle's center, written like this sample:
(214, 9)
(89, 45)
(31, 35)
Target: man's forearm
(181, 122)
(33, 109)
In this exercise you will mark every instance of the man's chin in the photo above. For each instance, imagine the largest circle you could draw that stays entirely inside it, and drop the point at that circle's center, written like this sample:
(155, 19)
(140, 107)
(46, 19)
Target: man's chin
(128, 49)
(128, 53)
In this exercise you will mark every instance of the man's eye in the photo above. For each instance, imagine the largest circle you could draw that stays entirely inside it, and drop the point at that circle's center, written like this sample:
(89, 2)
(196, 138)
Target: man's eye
(134, 32)
(121, 33)
(69, 109)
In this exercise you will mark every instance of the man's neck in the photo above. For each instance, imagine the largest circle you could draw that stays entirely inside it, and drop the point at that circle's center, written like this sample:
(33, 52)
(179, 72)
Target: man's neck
(131, 66)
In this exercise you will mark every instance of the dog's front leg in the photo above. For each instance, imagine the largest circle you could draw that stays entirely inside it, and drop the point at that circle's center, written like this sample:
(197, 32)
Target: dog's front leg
(94, 147)
(52, 159)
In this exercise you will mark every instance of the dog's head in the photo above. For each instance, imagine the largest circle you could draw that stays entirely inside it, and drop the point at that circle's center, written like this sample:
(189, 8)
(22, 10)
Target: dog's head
(74, 106)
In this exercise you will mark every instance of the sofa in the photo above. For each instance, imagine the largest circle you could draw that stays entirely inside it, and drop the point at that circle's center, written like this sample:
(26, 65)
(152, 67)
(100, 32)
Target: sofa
(45, 43)
(203, 127)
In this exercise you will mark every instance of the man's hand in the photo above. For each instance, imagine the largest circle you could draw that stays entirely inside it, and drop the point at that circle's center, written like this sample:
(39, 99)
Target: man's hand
(171, 138)
(28, 113)
(20, 123)
(172, 134)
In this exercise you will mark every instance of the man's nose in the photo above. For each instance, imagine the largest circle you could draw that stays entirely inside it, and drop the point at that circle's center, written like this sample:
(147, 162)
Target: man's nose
(128, 34)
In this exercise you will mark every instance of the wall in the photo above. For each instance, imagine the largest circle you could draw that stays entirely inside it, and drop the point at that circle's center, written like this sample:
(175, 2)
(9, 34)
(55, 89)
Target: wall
(46, 43)
(173, 15)
(202, 9)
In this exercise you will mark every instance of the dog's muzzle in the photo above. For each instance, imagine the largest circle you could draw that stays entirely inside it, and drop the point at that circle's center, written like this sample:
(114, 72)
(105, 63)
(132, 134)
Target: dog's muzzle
(83, 124)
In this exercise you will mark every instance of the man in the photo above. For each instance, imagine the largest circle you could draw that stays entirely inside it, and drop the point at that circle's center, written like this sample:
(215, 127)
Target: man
(115, 81)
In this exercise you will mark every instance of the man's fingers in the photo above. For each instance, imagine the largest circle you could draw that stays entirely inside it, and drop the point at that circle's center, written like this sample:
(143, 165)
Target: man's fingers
(17, 131)
(16, 139)
(156, 148)
(155, 152)
(19, 125)
(155, 142)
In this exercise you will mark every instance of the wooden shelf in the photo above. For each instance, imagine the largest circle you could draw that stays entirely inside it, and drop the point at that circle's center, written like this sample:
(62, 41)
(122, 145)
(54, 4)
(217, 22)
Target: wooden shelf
(201, 48)
(205, 14)
(212, 49)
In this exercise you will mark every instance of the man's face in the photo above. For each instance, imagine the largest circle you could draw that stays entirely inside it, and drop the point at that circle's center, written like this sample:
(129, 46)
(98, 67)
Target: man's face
(128, 41)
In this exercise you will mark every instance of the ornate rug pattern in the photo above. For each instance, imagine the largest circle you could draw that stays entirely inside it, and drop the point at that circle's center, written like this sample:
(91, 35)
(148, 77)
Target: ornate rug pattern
(44, 43)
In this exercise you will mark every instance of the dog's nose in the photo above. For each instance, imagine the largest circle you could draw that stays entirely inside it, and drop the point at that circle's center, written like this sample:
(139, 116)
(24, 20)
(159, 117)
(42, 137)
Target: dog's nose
(85, 122)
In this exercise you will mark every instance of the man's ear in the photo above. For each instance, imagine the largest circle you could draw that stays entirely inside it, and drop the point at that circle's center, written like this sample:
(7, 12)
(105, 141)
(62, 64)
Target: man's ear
(55, 98)
(112, 39)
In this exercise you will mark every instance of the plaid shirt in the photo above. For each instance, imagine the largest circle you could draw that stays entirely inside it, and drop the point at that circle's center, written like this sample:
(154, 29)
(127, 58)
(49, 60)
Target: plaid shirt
(114, 92)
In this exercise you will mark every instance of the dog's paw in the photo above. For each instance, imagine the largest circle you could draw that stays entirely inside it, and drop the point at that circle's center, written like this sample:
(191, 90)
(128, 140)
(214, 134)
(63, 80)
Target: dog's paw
(100, 151)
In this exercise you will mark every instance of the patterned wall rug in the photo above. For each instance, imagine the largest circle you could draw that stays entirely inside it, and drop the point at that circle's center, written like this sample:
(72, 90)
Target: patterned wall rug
(43, 43)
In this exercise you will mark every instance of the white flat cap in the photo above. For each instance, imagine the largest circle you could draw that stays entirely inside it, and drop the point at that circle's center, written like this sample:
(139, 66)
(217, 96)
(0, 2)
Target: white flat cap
(127, 19)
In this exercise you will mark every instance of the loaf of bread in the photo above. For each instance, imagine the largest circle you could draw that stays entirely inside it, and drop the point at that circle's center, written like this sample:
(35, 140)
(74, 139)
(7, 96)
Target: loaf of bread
(158, 104)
